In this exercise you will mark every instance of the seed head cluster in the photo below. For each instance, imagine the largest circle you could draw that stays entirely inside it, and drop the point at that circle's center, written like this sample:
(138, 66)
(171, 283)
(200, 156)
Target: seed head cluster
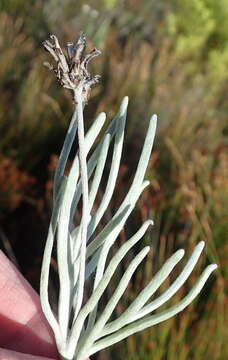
(71, 66)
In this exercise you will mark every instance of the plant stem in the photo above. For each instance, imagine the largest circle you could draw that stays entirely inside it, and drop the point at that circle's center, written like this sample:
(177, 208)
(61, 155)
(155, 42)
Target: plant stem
(85, 201)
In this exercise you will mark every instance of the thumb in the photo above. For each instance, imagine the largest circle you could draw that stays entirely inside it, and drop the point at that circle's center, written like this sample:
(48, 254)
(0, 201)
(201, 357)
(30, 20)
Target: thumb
(13, 355)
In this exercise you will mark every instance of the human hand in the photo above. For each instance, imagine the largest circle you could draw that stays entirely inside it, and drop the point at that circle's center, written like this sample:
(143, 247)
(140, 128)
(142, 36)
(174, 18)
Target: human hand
(24, 331)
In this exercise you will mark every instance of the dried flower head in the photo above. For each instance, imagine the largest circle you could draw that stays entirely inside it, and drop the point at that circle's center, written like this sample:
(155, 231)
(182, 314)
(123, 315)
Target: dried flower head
(71, 70)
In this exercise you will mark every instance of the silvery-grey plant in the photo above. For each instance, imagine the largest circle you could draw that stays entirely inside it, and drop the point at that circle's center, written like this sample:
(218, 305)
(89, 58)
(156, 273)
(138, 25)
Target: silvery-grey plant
(79, 329)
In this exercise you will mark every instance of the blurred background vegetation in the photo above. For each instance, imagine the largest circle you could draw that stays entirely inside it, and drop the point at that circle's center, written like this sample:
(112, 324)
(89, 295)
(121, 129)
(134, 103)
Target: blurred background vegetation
(170, 58)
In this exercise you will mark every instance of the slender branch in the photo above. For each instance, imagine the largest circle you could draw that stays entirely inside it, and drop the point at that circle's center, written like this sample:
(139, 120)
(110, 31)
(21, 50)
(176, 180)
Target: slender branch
(85, 197)
(46, 268)
(59, 172)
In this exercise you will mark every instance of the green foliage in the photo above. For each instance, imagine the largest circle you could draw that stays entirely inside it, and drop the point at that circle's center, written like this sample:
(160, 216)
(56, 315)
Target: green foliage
(110, 3)
(194, 23)
(201, 31)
